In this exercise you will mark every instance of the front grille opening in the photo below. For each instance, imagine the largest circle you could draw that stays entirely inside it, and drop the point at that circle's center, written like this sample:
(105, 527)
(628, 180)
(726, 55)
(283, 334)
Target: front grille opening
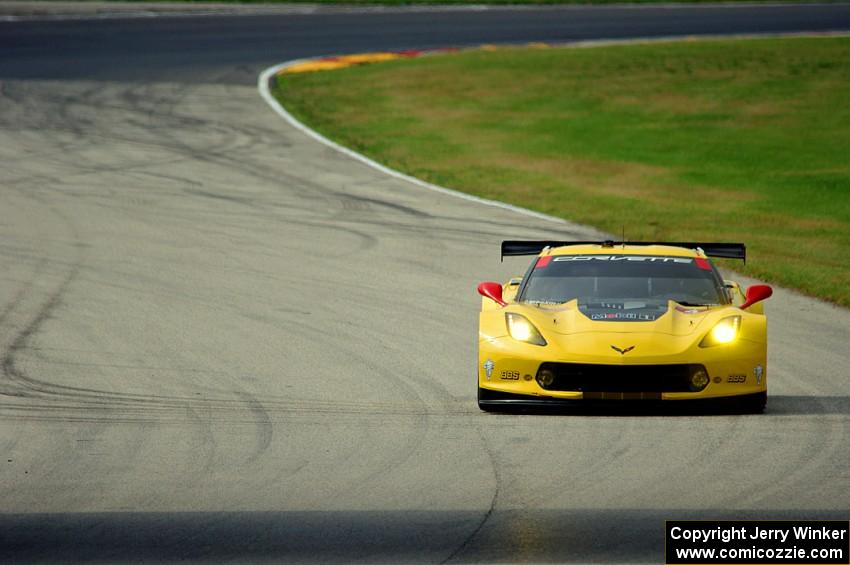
(627, 381)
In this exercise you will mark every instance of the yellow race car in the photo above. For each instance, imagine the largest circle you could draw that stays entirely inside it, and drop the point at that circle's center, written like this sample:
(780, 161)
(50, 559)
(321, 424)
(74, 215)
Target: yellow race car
(622, 322)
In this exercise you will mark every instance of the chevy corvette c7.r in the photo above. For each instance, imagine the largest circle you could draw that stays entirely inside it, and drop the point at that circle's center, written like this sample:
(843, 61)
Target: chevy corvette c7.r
(621, 322)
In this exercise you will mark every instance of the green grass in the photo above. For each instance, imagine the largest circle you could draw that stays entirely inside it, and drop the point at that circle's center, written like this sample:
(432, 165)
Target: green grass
(738, 140)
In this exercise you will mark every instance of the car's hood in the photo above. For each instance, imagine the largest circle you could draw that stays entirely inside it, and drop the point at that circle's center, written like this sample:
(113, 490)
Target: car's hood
(621, 317)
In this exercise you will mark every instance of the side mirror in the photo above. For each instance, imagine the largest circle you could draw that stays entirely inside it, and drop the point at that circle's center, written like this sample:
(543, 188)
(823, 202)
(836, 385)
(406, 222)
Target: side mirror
(733, 289)
(493, 291)
(756, 293)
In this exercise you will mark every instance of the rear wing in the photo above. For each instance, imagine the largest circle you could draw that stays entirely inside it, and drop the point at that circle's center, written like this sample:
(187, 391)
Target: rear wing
(724, 250)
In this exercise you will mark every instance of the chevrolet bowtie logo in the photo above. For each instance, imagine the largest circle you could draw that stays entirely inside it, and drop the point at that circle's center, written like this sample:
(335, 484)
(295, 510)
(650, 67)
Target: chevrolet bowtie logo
(622, 351)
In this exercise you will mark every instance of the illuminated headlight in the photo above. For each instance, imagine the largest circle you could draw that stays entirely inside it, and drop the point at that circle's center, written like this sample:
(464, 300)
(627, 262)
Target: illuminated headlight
(726, 331)
(522, 330)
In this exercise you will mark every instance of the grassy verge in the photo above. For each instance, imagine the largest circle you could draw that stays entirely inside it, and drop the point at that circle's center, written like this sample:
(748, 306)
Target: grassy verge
(739, 140)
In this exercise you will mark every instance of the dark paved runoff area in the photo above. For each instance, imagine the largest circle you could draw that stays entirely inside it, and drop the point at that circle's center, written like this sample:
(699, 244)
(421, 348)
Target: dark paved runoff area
(233, 48)
(223, 342)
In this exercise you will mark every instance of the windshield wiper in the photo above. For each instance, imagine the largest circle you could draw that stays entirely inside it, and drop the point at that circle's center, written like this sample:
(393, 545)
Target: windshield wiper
(692, 303)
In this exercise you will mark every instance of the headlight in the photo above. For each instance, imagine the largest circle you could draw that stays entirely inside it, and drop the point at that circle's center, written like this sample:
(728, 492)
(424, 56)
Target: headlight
(522, 330)
(726, 331)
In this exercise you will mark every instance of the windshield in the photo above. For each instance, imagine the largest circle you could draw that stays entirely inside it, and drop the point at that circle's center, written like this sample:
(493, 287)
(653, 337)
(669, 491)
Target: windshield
(623, 282)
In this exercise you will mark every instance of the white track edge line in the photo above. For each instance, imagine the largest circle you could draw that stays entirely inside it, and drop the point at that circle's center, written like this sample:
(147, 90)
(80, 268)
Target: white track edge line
(267, 74)
(263, 86)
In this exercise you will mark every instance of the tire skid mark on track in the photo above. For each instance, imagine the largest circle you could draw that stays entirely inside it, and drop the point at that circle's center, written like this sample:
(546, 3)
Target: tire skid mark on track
(265, 428)
(222, 156)
(117, 406)
(203, 449)
(19, 296)
(497, 489)
(805, 458)
(12, 373)
(87, 398)
(47, 400)
(420, 412)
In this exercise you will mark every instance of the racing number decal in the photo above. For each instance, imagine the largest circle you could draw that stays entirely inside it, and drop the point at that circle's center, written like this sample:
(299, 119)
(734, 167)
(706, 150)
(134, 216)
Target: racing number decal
(510, 375)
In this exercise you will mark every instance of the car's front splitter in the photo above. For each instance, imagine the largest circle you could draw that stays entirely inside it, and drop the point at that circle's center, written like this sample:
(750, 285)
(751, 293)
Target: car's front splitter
(503, 401)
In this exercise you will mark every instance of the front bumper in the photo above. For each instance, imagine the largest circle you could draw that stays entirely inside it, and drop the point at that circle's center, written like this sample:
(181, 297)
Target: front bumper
(507, 373)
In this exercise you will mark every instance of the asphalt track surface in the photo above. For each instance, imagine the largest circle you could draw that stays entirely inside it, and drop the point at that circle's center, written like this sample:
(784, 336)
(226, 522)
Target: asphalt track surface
(221, 341)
